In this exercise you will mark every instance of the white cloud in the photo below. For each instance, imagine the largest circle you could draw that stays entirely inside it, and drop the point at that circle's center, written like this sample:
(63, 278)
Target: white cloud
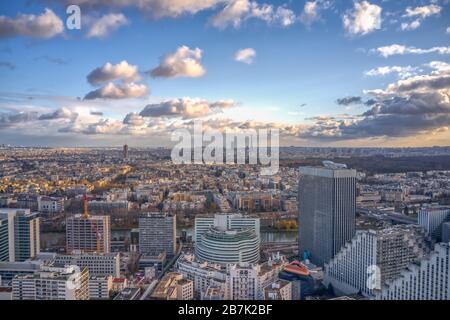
(134, 119)
(448, 30)
(110, 72)
(364, 19)
(245, 55)
(61, 113)
(396, 49)
(310, 13)
(232, 14)
(106, 24)
(403, 72)
(151, 8)
(423, 12)
(46, 25)
(419, 14)
(284, 17)
(118, 91)
(185, 62)
(439, 66)
(186, 108)
(411, 25)
(237, 11)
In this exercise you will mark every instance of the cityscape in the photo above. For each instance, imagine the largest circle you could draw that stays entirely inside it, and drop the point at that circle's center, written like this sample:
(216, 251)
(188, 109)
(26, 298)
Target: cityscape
(128, 224)
(203, 167)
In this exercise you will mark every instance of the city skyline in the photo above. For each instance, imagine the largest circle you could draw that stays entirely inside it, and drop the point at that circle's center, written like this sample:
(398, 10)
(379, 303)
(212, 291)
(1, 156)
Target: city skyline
(326, 73)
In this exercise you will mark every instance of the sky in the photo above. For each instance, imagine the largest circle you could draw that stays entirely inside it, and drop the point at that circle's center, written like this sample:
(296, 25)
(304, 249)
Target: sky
(324, 72)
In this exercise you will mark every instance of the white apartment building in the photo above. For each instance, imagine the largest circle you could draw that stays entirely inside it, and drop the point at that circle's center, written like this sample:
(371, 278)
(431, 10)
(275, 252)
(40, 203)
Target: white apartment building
(279, 290)
(242, 282)
(50, 283)
(50, 204)
(431, 219)
(99, 265)
(373, 257)
(428, 279)
(202, 274)
(100, 287)
(225, 222)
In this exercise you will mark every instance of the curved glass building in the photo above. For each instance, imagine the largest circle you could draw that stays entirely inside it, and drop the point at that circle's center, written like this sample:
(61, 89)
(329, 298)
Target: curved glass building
(228, 246)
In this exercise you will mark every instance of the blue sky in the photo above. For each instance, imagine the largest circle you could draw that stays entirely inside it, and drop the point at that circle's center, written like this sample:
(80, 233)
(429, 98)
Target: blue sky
(311, 58)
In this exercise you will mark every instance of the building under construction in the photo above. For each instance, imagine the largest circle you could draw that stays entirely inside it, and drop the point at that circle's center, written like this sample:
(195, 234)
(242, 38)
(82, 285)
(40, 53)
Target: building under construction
(86, 233)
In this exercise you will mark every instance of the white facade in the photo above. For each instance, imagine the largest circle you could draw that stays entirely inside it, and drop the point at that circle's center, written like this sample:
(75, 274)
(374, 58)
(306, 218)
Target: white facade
(431, 219)
(228, 246)
(23, 233)
(98, 264)
(50, 204)
(372, 257)
(202, 274)
(226, 222)
(52, 284)
(428, 279)
(242, 282)
(99, 287)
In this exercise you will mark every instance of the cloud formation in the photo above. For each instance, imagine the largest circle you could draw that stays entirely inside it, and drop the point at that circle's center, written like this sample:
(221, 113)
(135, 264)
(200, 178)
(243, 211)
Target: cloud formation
(186, 108)
(424, 11)
(116, 81)
(184, 62)
(348, 101)
(365, 18)
(110, 72)
(237, 11)
(9, 119)
(46, 25)
(411, 106)
(61, 113)
(397, 49)
(245, 55)
(403, 72)
(114, 91)
(419, 14)
(312, 9)
(106, 24)
(151, 8)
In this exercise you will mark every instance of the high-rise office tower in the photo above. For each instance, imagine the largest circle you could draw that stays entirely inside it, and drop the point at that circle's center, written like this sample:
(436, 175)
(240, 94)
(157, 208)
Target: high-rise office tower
(157, 234)
(19, 229)
(4, 241)
(327, 205)
(88, 234)
(125, 151)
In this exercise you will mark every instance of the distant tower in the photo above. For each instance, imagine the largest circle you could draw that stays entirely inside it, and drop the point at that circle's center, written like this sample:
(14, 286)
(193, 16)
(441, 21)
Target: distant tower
(125, 151)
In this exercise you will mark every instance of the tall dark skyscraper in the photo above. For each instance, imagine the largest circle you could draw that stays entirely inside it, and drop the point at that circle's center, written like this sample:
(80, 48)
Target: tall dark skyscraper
(125, 151)
(327, 205)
